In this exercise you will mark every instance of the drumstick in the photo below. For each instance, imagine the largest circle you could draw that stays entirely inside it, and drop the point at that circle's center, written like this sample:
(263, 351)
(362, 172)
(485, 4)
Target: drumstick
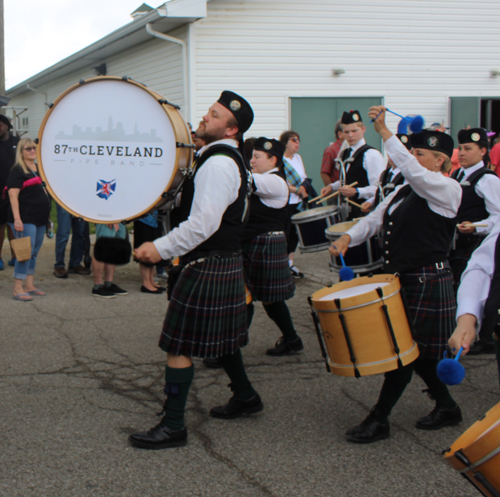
(353, 203)
(474, 225)
(331, 195)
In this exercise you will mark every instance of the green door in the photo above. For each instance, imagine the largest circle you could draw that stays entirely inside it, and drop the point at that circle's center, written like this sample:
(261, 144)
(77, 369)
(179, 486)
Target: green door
(464, 111)
(314, 119)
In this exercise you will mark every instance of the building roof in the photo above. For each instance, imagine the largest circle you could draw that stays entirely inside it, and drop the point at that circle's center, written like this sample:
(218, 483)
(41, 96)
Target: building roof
(165, 18)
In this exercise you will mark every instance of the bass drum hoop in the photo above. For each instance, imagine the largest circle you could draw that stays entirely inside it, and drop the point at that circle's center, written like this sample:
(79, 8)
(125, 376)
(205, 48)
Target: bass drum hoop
(183, 156)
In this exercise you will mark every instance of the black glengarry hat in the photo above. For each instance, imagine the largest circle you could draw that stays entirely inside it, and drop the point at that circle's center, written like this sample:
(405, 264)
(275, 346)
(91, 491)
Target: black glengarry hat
(404, 139)
(269, 145)
(351, 117)
(433, 140)
(239, 107)
(474, 135)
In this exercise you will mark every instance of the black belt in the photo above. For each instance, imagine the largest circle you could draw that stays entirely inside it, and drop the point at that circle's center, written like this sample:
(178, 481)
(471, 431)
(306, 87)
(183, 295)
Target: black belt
(423, 279)
(205, 254)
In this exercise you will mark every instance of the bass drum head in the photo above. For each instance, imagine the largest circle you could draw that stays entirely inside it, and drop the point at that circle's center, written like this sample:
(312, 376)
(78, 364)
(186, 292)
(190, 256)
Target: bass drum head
(107, 150)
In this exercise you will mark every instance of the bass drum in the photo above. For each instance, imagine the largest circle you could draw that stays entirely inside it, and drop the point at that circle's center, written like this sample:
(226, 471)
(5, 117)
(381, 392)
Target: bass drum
(110, 150)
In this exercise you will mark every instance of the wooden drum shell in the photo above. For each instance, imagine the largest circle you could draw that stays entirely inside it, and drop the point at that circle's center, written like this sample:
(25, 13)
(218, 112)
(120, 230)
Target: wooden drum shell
(368, 330)
(480, 444)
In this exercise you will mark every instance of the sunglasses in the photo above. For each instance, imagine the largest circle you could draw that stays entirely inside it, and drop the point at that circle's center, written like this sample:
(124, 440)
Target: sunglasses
(296, 140)
(29, 149)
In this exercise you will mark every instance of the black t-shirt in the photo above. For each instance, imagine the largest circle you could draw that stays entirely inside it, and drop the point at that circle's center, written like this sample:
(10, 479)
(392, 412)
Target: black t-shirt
(7, 159)
(34, 204)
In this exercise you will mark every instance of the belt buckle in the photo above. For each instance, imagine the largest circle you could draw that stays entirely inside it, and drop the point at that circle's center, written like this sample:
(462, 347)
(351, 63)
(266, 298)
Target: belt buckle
(422, 279)
(439, 265)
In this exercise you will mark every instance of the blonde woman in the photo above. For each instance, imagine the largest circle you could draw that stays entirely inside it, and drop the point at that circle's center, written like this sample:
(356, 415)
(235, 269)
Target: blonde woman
(28, 215)
(417, 222)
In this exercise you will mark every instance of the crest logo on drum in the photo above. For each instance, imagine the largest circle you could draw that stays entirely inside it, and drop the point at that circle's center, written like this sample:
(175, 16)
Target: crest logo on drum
(105, 188)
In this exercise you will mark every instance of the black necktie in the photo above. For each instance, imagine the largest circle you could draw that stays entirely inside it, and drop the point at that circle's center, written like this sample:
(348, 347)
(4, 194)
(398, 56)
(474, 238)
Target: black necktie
(461, 176)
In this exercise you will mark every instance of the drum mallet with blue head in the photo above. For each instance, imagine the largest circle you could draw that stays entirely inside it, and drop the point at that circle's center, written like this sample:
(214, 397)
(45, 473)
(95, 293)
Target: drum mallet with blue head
(346, 273)
(450, 371)
(416, 123)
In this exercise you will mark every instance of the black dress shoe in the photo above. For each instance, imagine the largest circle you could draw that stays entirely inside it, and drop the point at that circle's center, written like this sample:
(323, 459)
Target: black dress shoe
(159, 437)
(370, 430)
(285, 348)
(212, 363)
(481, 347)
(439, 418)
(236, 408)
(158, 290)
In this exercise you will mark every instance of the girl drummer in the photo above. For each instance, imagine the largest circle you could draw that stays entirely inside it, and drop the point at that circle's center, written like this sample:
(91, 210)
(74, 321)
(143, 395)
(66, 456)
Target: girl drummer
(264, 243)
(417, 222)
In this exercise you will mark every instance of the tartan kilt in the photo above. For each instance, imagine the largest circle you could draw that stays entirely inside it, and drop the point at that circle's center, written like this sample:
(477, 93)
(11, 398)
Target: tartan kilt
(267, 272)
(433, 308)
(207, 313)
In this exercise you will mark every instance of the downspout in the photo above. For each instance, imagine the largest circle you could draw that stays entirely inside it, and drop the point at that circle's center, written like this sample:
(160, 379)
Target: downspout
(183, 44)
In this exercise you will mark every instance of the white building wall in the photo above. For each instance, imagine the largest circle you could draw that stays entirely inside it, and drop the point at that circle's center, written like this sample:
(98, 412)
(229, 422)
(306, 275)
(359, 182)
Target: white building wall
(156, 63)
(414, 53)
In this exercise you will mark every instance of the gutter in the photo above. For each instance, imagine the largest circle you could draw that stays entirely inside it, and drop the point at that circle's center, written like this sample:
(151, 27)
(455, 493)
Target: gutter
(186, 87)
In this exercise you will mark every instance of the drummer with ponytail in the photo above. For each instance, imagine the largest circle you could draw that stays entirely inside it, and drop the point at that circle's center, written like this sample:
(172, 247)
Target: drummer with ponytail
(417, 222)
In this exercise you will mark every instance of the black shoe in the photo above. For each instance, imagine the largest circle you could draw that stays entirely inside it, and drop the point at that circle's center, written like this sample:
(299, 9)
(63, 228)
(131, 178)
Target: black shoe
(439, 418)
(285, 348)
(60, 272)
(117, 290)
(481, 347)
(79, 270)
(159, 437)
(212, 363)
(236, 408)
(103, 292)
(158, 291)
(295, 272)
(370, 430)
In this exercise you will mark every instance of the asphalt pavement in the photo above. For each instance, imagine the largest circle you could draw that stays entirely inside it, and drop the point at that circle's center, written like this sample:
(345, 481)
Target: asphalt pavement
(78, 374)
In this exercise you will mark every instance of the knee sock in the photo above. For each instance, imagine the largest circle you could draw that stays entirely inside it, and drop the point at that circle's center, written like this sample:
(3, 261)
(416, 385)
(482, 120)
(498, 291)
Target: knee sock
(394, 385)
(178, 382)
(280, 314)
(426, 369)
(250, 311)
(235, 369)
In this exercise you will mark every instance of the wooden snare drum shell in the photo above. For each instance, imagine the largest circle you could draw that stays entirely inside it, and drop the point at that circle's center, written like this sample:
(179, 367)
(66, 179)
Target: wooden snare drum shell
(368, 330)
(480, 444)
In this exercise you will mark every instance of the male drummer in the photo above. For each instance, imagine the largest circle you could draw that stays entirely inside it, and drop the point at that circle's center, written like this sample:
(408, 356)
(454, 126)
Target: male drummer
(364, 167)
(207, 312)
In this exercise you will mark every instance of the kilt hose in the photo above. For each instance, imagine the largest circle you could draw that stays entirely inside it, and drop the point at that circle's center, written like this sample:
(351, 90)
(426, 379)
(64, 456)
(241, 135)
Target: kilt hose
(267, 272)
(207, 313)
(433, 307)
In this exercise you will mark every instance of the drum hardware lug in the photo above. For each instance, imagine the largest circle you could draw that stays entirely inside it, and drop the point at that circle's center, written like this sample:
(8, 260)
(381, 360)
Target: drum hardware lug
(44, 184)
(185, 145)
(389, 325)
(347, 338)
(82, 81)
(124, 222)
(50, 105)
(443, 452)
(127, 78)
(320, 337)
(480, 418)
(36, 140)
(166, 102)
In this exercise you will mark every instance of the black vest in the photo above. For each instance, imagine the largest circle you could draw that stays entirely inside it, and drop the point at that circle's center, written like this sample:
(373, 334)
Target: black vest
(384, 181)
(491, 316)
(356, 172)
(472, 207)
(228, 236)
(413, 235)
(264, 218)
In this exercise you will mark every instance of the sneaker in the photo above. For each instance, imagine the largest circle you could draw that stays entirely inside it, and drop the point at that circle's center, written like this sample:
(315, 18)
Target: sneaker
(103, 292)
(2, 265)
(286, 348)
(295, 272)
(117, 290)
(79, 270)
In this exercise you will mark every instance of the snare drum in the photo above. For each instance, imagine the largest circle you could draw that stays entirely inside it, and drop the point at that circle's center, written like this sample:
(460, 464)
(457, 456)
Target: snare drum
(311, 226)
(363, 326)
(476, 453)
(110, 148)
(362, 258)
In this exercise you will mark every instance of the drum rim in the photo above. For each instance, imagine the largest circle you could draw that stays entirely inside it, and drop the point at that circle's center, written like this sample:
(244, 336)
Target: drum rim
(340, 233)
(327, 209)
(167, 108)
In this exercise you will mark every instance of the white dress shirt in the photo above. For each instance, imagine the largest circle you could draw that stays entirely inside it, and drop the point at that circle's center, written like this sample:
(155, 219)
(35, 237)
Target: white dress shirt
(394, 172)
(271, 188)
(488, 187)
(443, 194)
(373, 164)
(216, 186)
(476, 279)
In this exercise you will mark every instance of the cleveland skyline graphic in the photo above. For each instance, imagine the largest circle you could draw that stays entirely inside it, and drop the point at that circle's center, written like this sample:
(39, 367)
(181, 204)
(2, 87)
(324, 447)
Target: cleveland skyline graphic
(112, 133)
